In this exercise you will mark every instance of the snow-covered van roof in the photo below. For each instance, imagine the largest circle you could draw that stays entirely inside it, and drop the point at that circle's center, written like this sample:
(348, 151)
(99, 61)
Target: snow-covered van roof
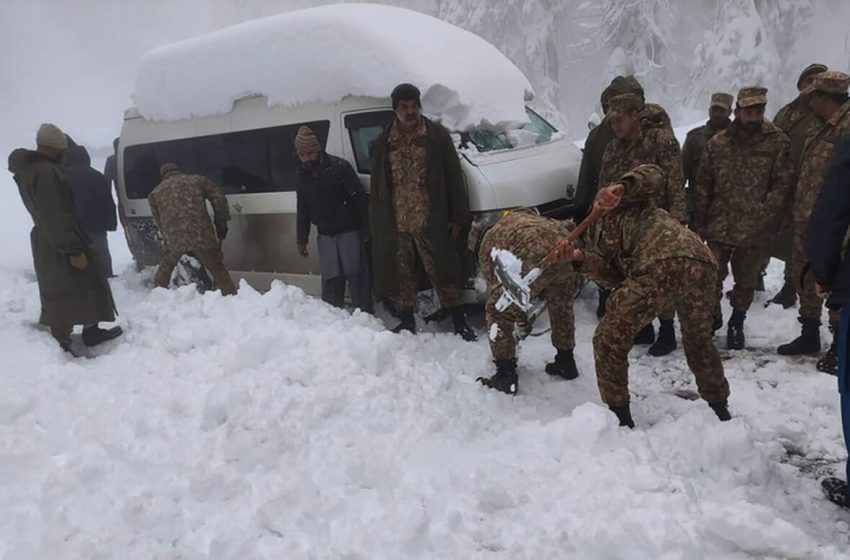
(323, 54)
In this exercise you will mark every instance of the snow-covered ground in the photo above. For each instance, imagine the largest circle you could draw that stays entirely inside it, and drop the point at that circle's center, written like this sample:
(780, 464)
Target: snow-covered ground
(273, 426)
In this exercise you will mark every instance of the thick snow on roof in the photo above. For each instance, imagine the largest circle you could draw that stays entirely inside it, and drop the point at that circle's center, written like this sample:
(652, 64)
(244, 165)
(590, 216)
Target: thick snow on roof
(327, 53)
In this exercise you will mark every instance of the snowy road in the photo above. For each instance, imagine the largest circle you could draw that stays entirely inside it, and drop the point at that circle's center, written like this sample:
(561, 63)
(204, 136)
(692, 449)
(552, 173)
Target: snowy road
(272, 426)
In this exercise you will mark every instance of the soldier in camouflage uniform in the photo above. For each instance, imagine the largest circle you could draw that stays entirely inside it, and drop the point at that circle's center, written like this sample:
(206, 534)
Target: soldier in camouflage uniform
(719, 111)
(654, 263)
(743, 182)
(827, 96)
(179, 208)
(800, 124)
(637, 144)
(529, 237)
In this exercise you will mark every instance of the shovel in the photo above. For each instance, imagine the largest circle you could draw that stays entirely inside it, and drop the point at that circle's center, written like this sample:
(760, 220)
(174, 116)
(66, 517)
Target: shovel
(508, 268)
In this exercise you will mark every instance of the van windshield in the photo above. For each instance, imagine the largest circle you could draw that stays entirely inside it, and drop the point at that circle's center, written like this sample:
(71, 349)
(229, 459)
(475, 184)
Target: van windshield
(537, 131)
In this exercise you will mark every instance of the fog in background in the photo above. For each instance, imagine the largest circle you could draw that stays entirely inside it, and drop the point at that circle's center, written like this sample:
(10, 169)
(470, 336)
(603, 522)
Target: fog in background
(73, 62)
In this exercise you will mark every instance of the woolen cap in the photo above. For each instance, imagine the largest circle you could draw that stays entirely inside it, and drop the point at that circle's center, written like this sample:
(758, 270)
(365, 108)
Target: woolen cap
(752, 95)
(306, 141)
(51, 136)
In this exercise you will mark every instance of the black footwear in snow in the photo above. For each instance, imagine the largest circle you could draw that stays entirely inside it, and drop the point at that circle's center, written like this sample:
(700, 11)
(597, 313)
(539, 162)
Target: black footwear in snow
(408, 322)
(786, 297)
(666, 341)
(564, 365)
(829, 363)
(836, 491)
(505, 379)
(624, 415)
(462, 328)
(718, 322)
(807, 343)
(721, 409)
(92, 336)
(735, 330)
(646, 335)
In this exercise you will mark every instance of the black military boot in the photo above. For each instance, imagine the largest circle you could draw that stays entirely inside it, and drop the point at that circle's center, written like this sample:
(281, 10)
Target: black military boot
(505, 379)
(624, 415)
(786, 297)
(564, 365)
(646, 335)
(666, 341)
(94, 335)
(721, 409)
(603, 299)
(408, 322)
(735, 330)
(836, 491)
(462, 328)
(807, 343)
(829, 363)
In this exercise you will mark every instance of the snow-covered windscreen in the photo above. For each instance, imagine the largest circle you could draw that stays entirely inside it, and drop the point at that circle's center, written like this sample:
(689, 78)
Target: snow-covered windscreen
(321, 55)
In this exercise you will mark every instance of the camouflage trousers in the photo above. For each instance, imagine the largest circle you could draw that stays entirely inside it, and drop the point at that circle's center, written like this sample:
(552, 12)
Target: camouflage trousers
(212, 259)
(557, 285)
(677, 282)
(408, 246)
(811, 306)
(746, 266)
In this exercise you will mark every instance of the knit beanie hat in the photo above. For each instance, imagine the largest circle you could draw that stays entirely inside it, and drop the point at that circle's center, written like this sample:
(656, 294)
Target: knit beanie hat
(51, 136)
(306, 141)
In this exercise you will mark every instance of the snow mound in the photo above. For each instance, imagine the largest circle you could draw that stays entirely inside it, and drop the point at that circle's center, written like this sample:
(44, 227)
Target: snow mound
(321, 55)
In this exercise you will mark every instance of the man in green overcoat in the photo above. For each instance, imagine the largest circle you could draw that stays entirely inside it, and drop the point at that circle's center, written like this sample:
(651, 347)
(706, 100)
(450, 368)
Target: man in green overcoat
(72, 290)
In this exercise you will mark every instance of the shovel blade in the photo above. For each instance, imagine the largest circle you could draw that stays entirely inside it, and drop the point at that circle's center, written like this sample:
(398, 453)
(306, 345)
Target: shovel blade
(514, 286)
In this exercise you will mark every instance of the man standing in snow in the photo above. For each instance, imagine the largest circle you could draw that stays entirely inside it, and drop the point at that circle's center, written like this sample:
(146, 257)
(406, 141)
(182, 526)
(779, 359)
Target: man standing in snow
(827, 96)
(825, 233)
(637, 144)
(800, 124)
(743, 181)
(529, 237)
(654, 263)
(72, 289)
(418, 207)
(330, 195)
(179, 208)
(719, 111)
(93, 204)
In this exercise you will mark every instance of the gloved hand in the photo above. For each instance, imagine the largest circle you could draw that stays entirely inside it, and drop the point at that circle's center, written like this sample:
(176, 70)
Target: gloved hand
(79, 261)
(221, 231)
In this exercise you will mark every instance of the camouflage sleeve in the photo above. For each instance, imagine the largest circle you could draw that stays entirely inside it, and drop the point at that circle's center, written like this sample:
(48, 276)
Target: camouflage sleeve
(154, 210)
(781, 183)
(606, 176)
(485, 263)
(599, 268)
(703, 189)
(641, 183)
(671, 163)
(218, 201)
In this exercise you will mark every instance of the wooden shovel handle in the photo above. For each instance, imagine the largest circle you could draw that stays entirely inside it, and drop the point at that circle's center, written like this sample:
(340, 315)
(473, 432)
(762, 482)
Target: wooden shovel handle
(594, 215)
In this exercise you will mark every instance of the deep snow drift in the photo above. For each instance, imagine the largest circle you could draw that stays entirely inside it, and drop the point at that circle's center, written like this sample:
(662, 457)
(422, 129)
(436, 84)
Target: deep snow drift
(273, 426)
(325, 54)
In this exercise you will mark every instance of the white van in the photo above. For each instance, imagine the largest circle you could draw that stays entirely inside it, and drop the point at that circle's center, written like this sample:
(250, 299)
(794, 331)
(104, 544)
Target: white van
(248, 150)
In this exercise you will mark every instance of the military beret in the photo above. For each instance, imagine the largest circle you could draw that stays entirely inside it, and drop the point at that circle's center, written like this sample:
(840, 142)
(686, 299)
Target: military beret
(167, 168)
(620, 105)
(831, 81)
(810, 70)
(721, 99)
(752, 95)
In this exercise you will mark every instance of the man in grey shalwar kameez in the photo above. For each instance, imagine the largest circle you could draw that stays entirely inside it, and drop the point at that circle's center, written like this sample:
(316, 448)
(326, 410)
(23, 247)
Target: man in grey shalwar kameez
(331, 197)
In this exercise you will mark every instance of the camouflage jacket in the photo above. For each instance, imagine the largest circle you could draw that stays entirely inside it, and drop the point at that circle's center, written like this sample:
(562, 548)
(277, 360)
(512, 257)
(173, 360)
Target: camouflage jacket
(816, 157)
(408, 154)
(800, 124)
(654, 116)
(525, 234)
(742, 185)
(694, 146)
(656, 146)
(636, 235)
(179, 208)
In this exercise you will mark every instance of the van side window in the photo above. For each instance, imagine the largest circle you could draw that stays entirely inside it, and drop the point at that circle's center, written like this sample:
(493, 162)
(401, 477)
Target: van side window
(364, 129)
(244, 162)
